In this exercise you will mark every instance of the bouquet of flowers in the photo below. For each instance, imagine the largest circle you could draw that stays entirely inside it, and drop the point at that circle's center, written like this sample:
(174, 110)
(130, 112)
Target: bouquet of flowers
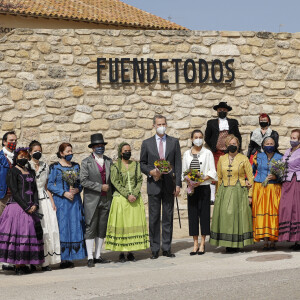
(277, 168)
(71, 177)
(163, 166)
(192, 178)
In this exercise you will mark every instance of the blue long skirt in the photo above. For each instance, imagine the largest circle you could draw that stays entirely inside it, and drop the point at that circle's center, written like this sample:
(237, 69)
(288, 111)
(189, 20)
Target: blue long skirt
(71, 225)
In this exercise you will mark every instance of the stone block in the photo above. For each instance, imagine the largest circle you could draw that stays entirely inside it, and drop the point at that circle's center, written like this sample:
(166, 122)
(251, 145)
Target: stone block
(226, 50)
(68, 127)
(145, 123)
(56, 72)
(197, 122)
(16, 94)
(44, 47)
(53, 103)
(77, 91)
(80, 118)
(157, 100)
(46, 138)
(132, 133)
(114, 100)
(100, 124)
(277, 85)
(66, 59)
(23, 105)
(34, 122)
(8, 126)
(61, 93)
(121, 124)
(199, 49)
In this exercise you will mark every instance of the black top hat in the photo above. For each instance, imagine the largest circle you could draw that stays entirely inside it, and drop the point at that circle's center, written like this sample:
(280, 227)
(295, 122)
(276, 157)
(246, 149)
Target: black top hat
(96, 138)
(222, 105)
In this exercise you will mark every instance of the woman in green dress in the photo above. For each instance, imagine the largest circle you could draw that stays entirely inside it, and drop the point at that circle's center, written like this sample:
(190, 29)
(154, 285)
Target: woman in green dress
(232, 218)
(126, 227)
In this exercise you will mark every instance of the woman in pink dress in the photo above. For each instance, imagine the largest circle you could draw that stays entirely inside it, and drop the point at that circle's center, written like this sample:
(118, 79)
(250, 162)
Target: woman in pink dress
(289, 207)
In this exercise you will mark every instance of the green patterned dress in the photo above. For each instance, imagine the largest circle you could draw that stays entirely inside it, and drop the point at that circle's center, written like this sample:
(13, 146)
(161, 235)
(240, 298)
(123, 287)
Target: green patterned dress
(126, 227)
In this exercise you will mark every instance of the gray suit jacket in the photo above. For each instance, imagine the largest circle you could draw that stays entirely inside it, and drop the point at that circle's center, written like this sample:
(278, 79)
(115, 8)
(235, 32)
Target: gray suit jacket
(149, 154)
(91, 181)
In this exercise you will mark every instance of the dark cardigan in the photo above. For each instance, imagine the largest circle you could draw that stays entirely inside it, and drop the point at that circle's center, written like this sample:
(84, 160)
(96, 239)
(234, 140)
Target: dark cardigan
(212, 132)
(23, 188)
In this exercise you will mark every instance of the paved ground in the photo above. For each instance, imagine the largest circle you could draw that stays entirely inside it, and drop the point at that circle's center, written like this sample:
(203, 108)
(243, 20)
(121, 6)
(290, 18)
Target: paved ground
(215, 275)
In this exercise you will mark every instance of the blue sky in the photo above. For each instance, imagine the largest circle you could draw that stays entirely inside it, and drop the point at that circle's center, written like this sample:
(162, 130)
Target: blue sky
(237, 15)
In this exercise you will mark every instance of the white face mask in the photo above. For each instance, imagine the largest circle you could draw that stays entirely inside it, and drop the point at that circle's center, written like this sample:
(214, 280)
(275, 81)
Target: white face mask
(198, 142)
(161, 130)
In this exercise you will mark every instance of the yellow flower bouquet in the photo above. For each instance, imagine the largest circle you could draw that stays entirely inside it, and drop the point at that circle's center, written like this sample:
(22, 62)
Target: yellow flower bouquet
(192, 178)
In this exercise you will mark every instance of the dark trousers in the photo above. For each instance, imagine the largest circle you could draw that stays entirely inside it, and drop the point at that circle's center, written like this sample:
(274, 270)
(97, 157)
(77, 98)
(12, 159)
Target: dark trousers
(199, 209)
(155, 202)
(98, 224)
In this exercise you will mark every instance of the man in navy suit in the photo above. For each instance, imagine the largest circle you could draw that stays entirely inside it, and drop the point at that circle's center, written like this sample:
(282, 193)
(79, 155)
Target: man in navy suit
(161, 188)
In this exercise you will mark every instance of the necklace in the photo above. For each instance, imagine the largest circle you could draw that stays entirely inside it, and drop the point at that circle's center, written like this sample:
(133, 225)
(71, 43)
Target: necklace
(231, 158)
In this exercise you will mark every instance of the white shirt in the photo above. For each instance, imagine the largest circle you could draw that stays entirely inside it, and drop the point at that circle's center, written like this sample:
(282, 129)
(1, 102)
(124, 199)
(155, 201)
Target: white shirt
(164, 140)
(223, 124)
(99, 159)
(8, 154)
(206, 161)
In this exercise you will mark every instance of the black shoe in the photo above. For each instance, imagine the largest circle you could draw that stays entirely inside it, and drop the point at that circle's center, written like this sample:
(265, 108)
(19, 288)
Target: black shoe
(194, 252)
(230, 250)
(266, 248)
(101, 260)
(201, 252)
(154, 255)
(26, 269)
(70, 264)
(122, 258)
(19, 271)
(90, 263)
(130, 256)
(32, 268)
(8, 268)
(168, 254)
(64, 265)
(296, 247)
(44, 269)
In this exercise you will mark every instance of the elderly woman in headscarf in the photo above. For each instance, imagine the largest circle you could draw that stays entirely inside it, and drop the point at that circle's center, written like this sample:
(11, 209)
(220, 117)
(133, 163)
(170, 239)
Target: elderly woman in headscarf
(266, 197)
(259, 134)
(126, 227)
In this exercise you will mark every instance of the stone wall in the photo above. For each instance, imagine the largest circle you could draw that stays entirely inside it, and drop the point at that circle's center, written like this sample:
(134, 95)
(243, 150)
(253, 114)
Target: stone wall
(49, 90)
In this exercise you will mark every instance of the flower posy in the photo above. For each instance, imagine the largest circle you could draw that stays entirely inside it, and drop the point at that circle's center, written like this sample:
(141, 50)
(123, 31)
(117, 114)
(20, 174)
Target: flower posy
(192, 178)
(70, 177)
(277, 168)
(163, 166)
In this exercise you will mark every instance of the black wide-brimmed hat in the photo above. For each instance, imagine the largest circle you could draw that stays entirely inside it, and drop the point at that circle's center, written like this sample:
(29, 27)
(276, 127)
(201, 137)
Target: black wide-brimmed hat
(222, 105)
(96, 138)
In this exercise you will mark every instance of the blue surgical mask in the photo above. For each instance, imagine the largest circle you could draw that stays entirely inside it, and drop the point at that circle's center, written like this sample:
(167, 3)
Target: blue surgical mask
(269, 149)
(69, 157)
(294, 143)
(99, 150)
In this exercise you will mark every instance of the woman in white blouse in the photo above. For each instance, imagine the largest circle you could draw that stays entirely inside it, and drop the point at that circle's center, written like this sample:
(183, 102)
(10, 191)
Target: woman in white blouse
(201, 159)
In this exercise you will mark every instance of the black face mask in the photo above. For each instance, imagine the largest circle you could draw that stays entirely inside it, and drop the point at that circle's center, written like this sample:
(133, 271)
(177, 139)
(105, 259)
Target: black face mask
(263, 124)
(22, 162)
(126, 155)
(222, 114)
(37, 155)
(232, 148)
